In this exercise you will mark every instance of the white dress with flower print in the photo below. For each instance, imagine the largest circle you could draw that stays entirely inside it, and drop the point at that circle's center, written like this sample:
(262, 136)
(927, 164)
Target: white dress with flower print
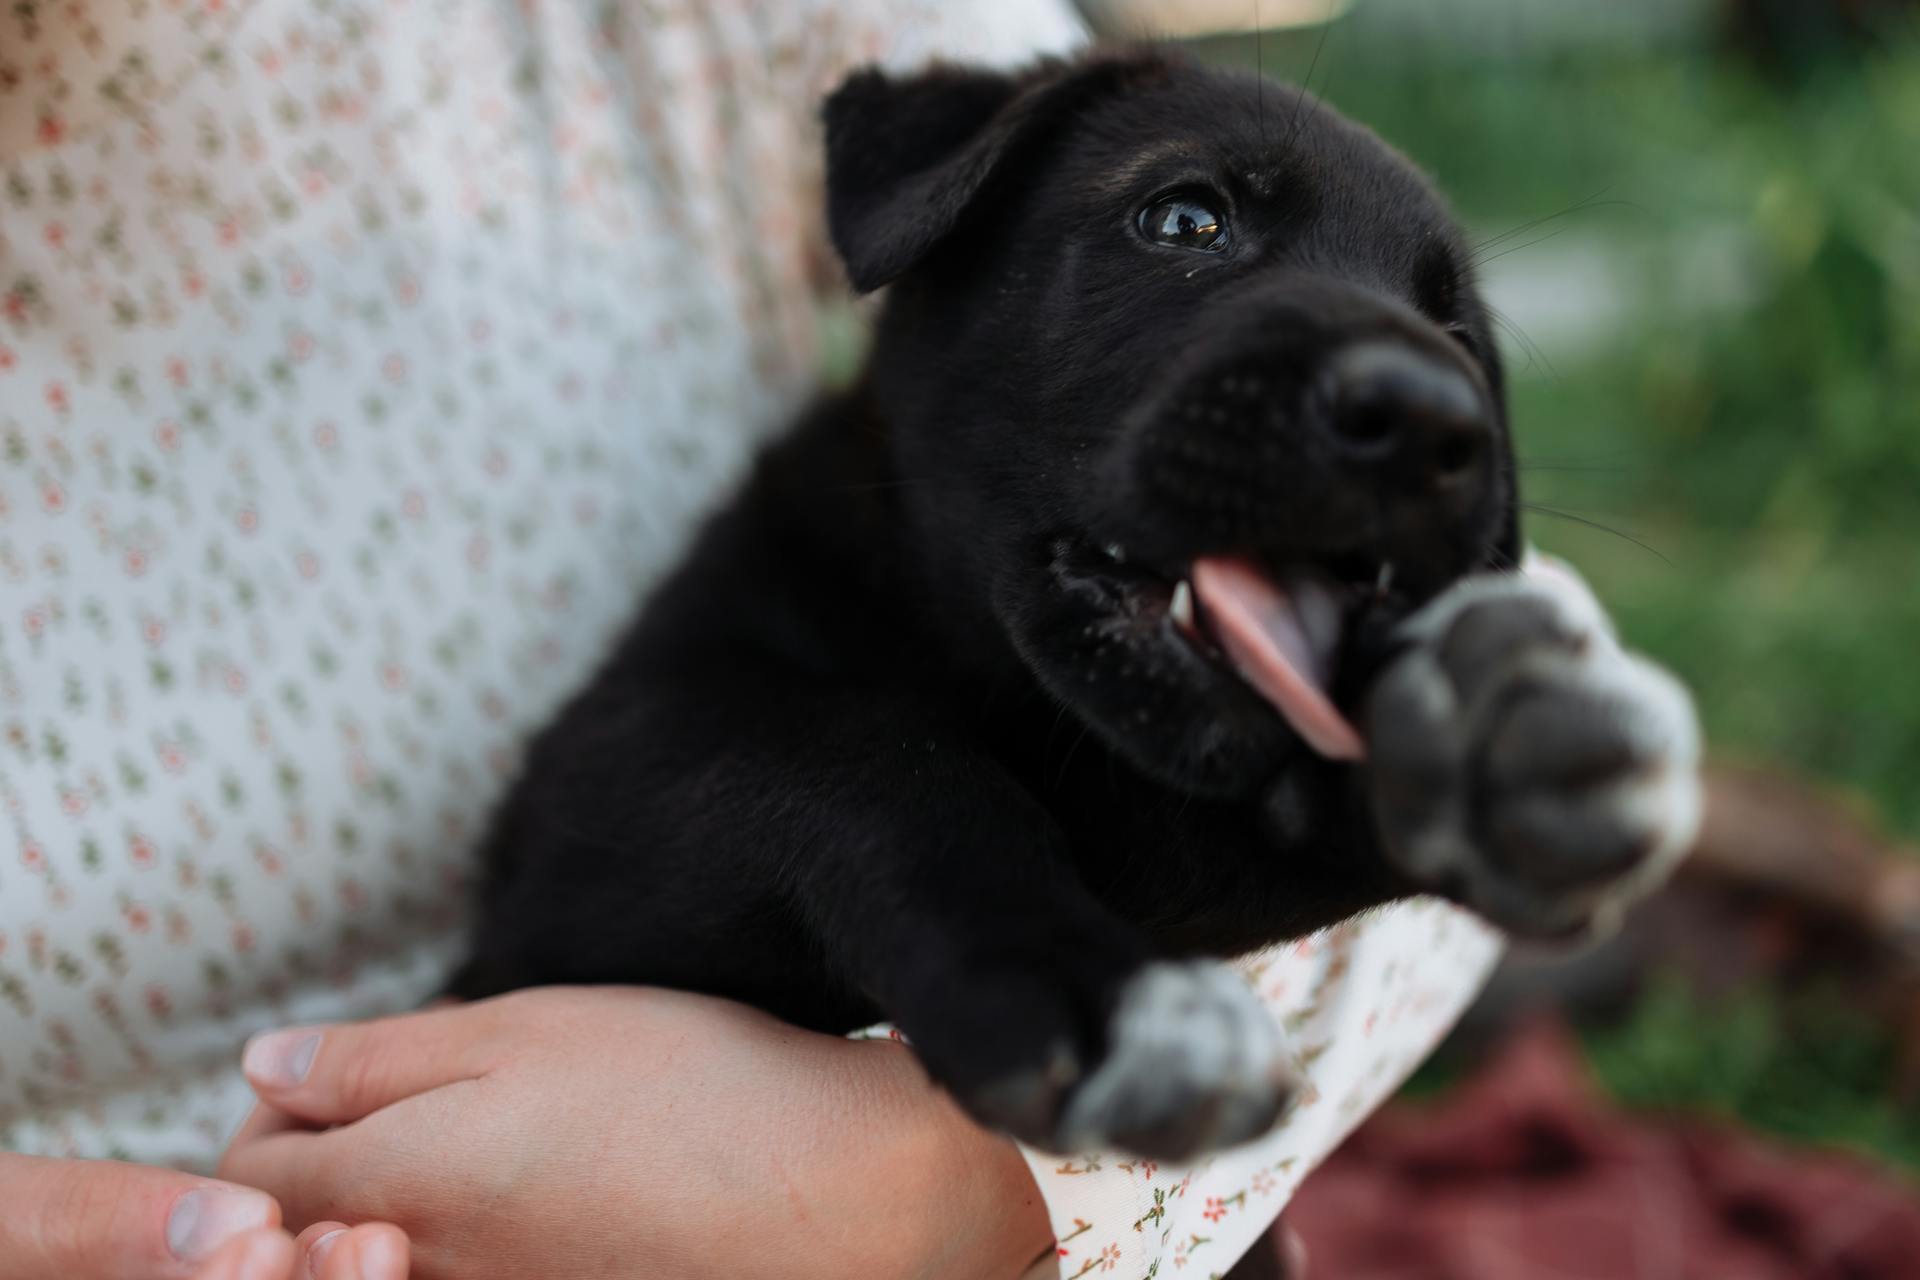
(361, 361)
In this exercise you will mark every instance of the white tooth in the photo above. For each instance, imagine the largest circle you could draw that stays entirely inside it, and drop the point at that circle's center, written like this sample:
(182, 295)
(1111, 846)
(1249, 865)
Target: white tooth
(1384, 582)
(1116, 553)
(1182, 607)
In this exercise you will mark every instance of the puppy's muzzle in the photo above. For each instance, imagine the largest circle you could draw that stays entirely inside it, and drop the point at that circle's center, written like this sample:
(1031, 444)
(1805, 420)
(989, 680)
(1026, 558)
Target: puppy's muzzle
(1312, 417)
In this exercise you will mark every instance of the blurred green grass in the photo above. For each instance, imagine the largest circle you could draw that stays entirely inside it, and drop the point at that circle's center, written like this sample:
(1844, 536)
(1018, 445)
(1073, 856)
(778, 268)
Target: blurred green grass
(1812, 1069)
(1744, 408)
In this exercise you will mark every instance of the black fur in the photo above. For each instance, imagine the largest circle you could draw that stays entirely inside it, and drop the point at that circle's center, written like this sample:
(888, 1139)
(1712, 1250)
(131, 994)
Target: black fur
(898, 740)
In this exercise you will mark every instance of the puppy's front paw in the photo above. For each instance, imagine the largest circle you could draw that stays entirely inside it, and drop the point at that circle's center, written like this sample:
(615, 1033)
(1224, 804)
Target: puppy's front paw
(1526, 765)
(1193, 1062)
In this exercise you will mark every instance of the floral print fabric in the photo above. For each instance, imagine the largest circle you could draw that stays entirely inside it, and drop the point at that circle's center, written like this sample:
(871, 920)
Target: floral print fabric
(361, 364)
(1364, 1003)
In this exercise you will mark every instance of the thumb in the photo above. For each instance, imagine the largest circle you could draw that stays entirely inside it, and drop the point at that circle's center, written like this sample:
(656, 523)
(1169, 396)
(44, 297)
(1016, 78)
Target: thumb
(104, 1220)
(339, 1074)
(256, 1255)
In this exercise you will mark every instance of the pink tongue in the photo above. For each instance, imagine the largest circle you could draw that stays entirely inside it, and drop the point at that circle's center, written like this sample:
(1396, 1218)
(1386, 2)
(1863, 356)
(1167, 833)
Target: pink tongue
(1260, 628)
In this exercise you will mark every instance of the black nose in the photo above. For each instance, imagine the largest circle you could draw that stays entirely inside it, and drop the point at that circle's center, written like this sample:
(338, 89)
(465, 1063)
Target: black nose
(1410, 414)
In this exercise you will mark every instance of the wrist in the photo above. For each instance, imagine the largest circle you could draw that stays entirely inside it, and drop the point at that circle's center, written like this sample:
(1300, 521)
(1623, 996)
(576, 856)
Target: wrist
(974, 1211)
(988, 1220)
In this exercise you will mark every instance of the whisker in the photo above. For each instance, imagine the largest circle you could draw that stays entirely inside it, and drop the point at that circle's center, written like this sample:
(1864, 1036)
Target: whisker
(1046, 752)
(1537, 509)
(1527, 344)
(1584, 207)
(1589, 511)
(1260, 71)
(1061, 777)
(1528, 244)
(1578, 206)
(1321, 43)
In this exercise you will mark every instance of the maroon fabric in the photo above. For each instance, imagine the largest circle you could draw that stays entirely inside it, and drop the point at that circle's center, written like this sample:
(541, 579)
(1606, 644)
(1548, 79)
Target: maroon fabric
(1524, 1174)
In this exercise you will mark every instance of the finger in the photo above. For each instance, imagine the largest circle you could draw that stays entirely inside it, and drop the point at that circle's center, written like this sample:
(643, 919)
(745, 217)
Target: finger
(302, 1170)
(375, 1251)
(104, 1220)
(361, 1172)
(265, 1120)
(256, 1255)
(338, 1074)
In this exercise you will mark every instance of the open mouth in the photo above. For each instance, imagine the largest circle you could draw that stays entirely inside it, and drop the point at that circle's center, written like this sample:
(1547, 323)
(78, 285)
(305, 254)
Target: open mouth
(1279, 631)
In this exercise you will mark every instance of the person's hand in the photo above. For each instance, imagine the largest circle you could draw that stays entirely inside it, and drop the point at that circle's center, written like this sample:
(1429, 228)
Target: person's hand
(324, 1251)
(619, 1132)
(105, 1220)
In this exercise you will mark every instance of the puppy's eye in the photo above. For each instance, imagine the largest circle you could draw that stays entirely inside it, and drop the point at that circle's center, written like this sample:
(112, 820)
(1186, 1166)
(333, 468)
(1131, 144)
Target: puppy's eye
(1185, 220)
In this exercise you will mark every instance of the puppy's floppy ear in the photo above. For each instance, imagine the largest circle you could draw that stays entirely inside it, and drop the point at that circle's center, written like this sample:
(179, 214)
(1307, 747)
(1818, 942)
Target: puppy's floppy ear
(907, 155)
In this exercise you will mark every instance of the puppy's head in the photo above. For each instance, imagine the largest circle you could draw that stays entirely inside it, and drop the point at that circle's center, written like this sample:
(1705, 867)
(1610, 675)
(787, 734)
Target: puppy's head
(1190, 390)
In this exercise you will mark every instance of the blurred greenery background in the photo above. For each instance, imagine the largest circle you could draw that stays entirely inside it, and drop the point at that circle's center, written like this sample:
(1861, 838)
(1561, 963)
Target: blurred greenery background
(1701, 223)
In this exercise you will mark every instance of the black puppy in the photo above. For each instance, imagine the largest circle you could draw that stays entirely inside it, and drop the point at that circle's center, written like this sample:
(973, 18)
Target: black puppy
(1012, 681)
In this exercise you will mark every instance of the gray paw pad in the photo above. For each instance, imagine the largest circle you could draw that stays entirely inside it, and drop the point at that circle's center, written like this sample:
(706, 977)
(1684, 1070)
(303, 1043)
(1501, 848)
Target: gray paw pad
(1524, 763)
(1194, 1062)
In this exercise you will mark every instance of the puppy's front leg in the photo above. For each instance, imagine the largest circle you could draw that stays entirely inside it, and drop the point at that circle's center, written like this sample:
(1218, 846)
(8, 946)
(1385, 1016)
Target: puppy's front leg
(945, 894)
(1524, 763)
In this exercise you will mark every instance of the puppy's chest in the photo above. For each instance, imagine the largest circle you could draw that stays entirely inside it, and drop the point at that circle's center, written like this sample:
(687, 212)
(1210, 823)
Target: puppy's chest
(1202, 876)
(1154, 865)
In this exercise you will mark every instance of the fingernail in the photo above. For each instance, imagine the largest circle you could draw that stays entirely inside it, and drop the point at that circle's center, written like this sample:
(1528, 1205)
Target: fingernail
(317, 1251)
(207, 1217)
(280, 1058)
